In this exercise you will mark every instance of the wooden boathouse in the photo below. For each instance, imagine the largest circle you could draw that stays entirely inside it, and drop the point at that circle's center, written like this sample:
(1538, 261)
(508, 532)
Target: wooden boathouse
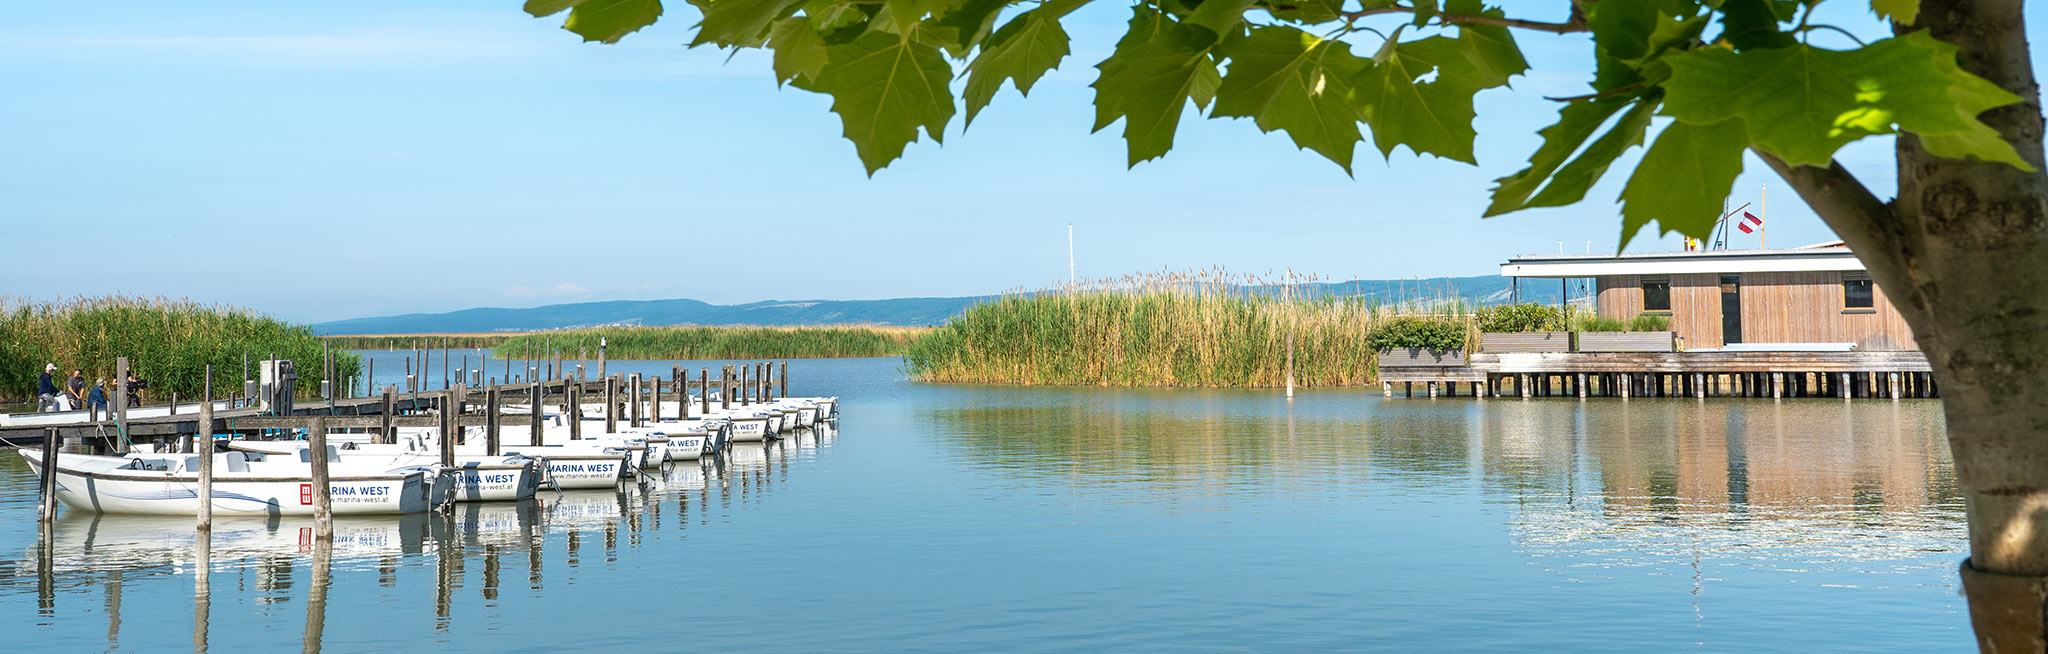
(1798, 322)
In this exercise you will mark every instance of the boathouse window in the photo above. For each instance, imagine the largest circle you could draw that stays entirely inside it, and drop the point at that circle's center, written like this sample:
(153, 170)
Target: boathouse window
(1856, 291)
(1657, 293)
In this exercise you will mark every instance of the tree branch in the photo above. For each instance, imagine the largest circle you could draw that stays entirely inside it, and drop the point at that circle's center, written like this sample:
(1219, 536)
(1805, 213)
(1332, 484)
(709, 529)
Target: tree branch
(1577, 24)
(1842, 201)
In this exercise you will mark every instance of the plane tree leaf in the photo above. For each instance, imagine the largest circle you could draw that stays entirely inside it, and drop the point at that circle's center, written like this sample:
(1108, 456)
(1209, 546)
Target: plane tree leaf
(1428, 116)
(884, 87)
(1149, 83)
(1561, 183)
(1021, 52)
(1682, 179)
(1803, 103)
(604, 21)
(740, 22)
(1903, 12)
(1287, 79)
(798, 49)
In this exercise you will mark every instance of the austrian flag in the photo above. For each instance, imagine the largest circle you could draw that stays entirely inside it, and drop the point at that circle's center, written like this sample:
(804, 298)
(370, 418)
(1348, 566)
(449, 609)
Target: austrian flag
(1749, 223)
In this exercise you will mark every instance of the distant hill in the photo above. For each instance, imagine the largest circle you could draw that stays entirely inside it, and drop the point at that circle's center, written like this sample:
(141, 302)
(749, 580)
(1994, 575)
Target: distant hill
(909, 312)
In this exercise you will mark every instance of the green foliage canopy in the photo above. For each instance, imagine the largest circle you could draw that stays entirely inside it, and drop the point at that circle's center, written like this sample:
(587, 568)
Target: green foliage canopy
(1433, 334)
(1524, 317)
(1731, 75)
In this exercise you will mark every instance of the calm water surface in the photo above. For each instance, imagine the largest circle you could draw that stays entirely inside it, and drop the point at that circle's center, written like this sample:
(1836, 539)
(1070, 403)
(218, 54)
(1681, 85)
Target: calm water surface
(966, 517)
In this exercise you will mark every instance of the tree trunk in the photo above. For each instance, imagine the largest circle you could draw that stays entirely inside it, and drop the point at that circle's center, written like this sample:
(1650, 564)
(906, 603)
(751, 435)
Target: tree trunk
(1963, 252)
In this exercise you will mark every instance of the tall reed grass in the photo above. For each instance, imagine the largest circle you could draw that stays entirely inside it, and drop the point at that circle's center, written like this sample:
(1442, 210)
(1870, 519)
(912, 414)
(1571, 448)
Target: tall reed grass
(410, 341)
(168, 342)
(727, 342)
(1204, 328)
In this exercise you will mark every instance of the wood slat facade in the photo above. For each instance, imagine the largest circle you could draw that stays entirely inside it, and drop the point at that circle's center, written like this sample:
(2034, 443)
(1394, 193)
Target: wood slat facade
(1777, 307)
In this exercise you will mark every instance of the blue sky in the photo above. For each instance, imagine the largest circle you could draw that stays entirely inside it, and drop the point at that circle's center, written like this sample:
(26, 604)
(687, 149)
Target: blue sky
(330, 161)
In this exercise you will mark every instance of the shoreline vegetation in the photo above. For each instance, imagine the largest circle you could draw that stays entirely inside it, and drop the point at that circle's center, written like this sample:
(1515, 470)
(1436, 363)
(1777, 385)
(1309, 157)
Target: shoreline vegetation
(168, 343)
(1196, 329)
(669, 342)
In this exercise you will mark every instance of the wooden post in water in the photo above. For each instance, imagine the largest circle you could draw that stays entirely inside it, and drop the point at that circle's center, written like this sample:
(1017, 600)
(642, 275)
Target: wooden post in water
(602, 371)
(704, 389)
(682, 384)
(448, 426)
(654, 399)
(539, 394)
(633, 402)
(47, 483)
(493, 421)
(725, 389)
(1846, 386)
(1386, 388)
(575, 399)
(388, 433)
(611, 402)
(206, 463)
(323, 500)
(121, 391)
(783, 387)
(1777, 385)
(1290, 369)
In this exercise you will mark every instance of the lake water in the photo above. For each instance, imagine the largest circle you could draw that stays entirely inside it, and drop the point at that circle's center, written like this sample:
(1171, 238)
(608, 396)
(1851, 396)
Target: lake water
(943, 517)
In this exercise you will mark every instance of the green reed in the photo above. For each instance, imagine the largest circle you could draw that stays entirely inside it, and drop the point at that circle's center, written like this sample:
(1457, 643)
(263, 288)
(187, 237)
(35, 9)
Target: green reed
(726, 342)
(418, 341)
(1205, 328)
(168, 342)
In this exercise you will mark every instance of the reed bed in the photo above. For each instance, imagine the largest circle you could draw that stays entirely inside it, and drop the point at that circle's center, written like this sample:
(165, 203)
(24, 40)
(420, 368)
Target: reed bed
(725, 342)
(1206, 328)
(413, 341)
(168, 342)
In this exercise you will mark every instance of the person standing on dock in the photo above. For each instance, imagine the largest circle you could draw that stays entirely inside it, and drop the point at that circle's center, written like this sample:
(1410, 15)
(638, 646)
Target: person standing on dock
(98, 399)
(76, 390)
(135, 386)
(46, 390)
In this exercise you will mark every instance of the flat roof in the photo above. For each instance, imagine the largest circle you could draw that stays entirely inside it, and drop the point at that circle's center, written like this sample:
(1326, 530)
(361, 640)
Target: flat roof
(1825, 258)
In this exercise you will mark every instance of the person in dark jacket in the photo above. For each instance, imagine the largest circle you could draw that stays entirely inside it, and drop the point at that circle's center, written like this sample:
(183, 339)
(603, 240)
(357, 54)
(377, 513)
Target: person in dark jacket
(75, 389)
(97, 401)
(135, 386)
(46, 390)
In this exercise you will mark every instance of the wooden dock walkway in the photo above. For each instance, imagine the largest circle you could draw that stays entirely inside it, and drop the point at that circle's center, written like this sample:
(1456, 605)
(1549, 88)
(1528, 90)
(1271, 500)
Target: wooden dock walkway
(1675, 374)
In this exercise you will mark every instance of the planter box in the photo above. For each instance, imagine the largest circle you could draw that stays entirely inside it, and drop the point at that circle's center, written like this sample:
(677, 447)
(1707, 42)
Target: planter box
(1504, 342)
(1415, 357)
(1627, 342)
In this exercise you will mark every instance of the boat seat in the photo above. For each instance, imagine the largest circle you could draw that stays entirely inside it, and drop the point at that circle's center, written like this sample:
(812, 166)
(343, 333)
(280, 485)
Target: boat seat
(238, 462)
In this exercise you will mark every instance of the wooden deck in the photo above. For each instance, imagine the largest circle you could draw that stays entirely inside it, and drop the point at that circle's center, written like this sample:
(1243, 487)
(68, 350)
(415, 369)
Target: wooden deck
(1700, 374)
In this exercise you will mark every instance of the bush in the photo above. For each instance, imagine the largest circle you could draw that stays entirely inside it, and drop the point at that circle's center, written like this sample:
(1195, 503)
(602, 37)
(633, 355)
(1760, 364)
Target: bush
(1434, 334)
(1524, 317)
(1650, 322)
(1594, 323)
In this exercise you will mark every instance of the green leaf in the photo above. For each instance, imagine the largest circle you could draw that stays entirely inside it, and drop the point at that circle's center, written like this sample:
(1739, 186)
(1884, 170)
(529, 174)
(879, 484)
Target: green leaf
(741, 22)
(798, 49)
(604, 21)
(1432, 117)
(1903, 12)
(906, 14)
(1424, 10)
(1221, 17)
(1491, 48)
(1973, 95)
(966, 23)
(1284, 78)
(1750, 24)
(884, 87)
(1149, 84)
(1570, 183)
(1575, 123)
(1802, 103)
(1682, 179)
(1021, 52)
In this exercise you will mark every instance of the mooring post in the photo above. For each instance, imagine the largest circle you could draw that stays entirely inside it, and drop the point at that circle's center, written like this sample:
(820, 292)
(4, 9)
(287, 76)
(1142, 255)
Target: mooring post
(493, 419)
(1386, 388)
(1699, 386)
(602, 345)
(611, 402)
(539, 395)
(704, 390)
(206, 463)
(1892, 381)
(1522, 385)
(575, 400)
(681, 381)
(1777, 385)
(47, 483)
(323, 500)
(783, 390)
(1845, 386)
(447, 428)
(387, 433)
(725, 389)
(121, 392)
(1290, 369)
(1432, 390)
(654, 399)
(1579, 384)
(633, 413)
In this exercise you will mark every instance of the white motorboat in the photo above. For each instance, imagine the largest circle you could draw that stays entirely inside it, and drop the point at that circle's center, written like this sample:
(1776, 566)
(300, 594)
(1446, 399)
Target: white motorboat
(243, 484)
(478, 478)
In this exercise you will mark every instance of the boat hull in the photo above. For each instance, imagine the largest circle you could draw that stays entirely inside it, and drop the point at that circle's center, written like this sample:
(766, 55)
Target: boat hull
(146, 492)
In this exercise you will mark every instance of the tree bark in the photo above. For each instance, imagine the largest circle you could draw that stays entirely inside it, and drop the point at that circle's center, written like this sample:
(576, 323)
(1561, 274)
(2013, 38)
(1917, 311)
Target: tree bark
(1963, 252)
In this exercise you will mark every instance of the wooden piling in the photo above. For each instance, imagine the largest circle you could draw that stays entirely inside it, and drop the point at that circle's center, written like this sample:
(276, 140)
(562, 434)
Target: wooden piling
(633, 406)
(783, 390)
(611, 401)
(447, 427)
(575, 399)
(121, 391)
(704, 389)
(47, 483)
(206, 464)
(387, 433)
(539, 395)
(1845, 386)
(602, 373)
(654, 399)
(725, 389)
(323, 500)
(494, 421)
(682, 384)
(1386, 389)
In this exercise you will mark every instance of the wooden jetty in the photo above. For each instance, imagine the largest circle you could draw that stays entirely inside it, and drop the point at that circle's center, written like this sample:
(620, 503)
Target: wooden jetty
(1758, 374)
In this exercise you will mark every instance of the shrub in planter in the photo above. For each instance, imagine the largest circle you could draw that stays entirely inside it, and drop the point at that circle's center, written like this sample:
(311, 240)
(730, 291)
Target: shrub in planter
(1592, 323)
(1434, 334)
(1650, 322)
(1524, 317)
